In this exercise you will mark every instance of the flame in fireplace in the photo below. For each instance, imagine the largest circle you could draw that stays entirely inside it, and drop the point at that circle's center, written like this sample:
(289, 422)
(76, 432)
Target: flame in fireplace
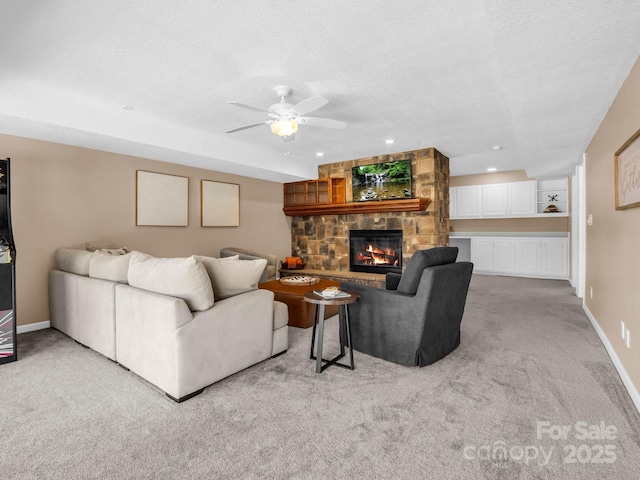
(376, 256)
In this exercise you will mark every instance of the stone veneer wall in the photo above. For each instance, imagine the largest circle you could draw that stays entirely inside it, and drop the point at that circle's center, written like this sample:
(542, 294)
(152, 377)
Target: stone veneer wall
(324, 240)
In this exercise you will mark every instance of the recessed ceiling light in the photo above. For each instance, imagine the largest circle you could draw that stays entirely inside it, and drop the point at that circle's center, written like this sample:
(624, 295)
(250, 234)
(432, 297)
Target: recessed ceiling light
(389, 141)
(497, 147)
(491, 169)
(319, 154)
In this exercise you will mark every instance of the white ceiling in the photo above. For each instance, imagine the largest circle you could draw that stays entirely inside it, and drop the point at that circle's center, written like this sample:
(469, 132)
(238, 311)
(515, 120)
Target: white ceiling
(533, 76)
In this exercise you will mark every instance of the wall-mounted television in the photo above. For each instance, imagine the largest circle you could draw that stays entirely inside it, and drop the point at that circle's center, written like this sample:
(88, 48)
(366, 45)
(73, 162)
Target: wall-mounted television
(382, 181)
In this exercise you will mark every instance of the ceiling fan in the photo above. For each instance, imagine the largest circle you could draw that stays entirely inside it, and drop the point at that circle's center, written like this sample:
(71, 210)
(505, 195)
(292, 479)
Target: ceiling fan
(285, 117)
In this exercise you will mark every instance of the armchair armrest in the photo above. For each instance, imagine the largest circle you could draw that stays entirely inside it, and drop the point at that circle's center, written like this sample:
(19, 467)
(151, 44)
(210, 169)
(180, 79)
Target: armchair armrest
(392, 280)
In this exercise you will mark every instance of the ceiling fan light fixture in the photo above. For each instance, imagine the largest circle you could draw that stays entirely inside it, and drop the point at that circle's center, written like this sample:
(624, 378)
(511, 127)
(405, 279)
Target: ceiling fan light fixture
(284, 128)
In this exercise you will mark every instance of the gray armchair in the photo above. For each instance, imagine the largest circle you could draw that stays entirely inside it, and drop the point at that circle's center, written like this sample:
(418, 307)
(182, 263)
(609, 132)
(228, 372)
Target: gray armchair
(416, 320)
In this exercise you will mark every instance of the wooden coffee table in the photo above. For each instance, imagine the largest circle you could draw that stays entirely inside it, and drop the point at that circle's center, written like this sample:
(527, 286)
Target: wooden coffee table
(300, 312)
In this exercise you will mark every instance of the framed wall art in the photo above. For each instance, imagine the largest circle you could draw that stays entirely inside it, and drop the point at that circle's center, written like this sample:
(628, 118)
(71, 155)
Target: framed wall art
(627, 173)
(219, 204)
(161, 199)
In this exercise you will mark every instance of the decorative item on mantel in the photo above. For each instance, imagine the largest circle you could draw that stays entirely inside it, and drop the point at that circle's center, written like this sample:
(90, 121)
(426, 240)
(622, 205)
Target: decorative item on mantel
(292, 263)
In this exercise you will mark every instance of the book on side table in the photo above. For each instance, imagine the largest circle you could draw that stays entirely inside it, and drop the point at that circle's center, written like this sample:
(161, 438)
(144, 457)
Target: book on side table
(331, 292)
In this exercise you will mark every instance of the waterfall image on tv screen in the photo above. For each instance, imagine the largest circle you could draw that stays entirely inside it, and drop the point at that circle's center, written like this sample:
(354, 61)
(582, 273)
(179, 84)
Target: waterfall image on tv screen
(381, 181)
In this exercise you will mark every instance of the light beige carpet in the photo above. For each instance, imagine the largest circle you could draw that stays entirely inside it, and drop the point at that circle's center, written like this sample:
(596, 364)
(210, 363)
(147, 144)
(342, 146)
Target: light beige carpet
(528, 355)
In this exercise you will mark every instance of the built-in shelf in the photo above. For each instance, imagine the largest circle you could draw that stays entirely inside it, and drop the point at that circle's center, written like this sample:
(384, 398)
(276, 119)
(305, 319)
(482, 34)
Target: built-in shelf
(408, 205)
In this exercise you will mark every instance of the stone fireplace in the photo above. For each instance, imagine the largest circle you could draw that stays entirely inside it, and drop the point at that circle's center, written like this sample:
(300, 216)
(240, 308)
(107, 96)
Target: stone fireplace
(323, 240)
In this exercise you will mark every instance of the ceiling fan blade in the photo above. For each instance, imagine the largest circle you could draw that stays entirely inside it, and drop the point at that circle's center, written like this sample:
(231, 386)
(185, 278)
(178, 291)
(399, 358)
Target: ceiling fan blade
(248, 107)
(308, 105)
(251, 125)
(321, 122)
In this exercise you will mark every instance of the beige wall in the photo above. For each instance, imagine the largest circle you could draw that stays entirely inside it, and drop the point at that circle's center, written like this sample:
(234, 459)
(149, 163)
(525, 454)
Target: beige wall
(558, 224)
(612, 259)
(489, 178)
(64, 196)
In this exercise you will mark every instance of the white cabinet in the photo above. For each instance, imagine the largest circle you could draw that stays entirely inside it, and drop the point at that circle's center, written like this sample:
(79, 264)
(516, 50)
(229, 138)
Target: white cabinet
(495, 200)
(493, 255)
(542, 257)
(482, 254)
(504, 255)
(529, 256)
(499, 200)
(522, 198)
(465, 202)
(555, 257)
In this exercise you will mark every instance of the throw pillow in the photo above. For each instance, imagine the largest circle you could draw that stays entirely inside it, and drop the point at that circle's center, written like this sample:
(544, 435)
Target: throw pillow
(109, 267)
(231, 276)
(73, 260)
(421, 260)
(209, 261)
(184, 278)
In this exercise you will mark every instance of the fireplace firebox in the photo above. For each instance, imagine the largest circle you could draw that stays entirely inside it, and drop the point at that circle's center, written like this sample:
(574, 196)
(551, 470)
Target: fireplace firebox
(375, 251)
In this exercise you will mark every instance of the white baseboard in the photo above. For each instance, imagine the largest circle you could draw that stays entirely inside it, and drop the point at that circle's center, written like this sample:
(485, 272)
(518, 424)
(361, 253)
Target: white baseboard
(32, 327)
(628, 383)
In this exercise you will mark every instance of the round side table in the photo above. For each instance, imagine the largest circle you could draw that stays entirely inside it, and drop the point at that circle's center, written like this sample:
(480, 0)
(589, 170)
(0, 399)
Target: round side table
(345, 328)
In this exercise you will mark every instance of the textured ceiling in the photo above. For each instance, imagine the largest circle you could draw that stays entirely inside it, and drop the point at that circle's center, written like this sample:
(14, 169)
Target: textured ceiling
(535, 77)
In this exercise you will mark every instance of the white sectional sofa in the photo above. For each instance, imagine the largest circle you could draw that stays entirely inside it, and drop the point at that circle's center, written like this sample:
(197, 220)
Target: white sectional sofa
(180, 343)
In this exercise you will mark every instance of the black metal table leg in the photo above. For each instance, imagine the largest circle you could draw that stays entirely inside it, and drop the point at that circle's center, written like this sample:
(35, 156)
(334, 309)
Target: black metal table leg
(320, 338)
(341, 328)
(348, 328)
(344, 330)
(313, 333)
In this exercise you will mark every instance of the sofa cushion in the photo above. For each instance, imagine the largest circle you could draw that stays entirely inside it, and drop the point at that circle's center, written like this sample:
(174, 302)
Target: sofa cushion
(73, 260)
(421, 260)
(231, 276)
(184, 278)
(107, 266)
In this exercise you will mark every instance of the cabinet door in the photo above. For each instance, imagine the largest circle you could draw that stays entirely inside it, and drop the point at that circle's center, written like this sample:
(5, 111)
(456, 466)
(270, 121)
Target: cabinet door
(453, 202)
(522, 198)
(299, 193)
(494, 200)
(337, 190)
(323, 193)
(469, 202)
(312, 192)
(555, 257)
(529, 256)
(504, 255)
(482, 254)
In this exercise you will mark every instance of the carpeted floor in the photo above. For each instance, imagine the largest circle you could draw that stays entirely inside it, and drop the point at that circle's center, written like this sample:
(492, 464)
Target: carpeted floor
(528, 356)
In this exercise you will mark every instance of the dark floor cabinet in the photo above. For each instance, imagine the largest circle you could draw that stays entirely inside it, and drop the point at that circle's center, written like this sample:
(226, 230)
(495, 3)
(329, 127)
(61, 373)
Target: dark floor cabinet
(8, 335)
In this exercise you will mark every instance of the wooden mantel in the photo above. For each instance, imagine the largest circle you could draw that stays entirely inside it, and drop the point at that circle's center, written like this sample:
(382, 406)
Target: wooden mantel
(408, 205)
